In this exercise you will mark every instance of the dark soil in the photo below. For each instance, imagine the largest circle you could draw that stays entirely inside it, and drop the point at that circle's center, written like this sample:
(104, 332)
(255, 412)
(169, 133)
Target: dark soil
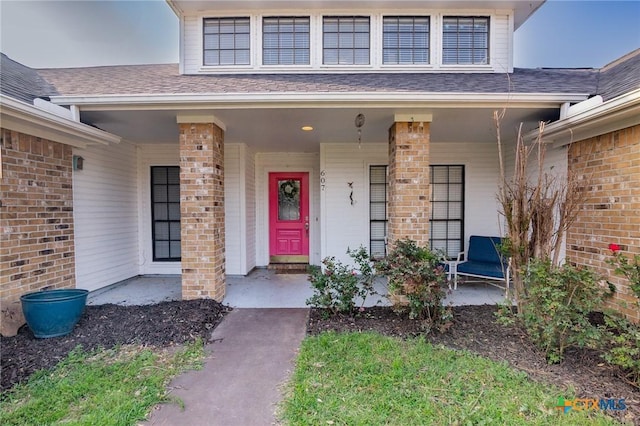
(475, 329)
(106, 326)
(173, 323)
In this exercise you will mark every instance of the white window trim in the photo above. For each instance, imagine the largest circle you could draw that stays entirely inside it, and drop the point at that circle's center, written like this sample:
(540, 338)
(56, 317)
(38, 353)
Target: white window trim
(404, 67)
(490, 34)
(375, 43)
(259, 43)
(215, 68)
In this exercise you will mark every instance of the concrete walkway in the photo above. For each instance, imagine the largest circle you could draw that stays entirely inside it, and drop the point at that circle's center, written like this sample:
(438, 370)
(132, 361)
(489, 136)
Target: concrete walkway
(254, 347)
(251, 357)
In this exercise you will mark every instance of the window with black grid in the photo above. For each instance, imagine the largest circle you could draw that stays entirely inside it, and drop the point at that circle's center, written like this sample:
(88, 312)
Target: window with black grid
(227, 41)
(165, 212)
(377, 211)
(447, 209)
(285, 40)
(405, 40)
(465, 40)
(345, 40)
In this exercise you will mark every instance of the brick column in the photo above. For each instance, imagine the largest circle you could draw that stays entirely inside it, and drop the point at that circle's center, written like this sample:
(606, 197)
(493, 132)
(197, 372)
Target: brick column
(409, 182)
(202, 210)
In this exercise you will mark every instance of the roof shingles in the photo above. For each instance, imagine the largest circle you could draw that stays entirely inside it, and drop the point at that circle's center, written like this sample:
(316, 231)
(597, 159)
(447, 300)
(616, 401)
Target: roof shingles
(21, 82)
(620, 76)
(165, 79)
(26, 84)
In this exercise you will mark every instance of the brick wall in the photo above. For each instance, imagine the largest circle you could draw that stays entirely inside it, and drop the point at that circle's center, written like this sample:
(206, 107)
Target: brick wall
(409, 182)
(611, 214)
(36, 212)
(202, 211)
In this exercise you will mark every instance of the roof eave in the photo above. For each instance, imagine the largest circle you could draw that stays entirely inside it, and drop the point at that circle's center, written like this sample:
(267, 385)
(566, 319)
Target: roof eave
(612, 115)
(522, 10)
(325, 99)
(172, 4)
(21, 117)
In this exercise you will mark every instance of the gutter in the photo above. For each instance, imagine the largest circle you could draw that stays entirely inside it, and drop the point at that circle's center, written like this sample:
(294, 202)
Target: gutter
(615, 114)
(21, 117)
(197, 101)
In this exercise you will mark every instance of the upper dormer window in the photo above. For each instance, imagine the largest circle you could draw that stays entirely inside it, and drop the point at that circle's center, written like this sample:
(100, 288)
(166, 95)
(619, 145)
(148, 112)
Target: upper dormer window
(405, 40)
(227, 41)
(345, 40)
(465, 40)
(285, 40)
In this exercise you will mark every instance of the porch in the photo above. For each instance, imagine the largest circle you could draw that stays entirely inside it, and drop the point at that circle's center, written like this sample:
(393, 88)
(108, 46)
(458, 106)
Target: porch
(264, 288)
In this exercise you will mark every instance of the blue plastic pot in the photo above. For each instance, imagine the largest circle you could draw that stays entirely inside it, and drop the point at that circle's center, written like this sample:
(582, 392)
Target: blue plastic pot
(53, 313)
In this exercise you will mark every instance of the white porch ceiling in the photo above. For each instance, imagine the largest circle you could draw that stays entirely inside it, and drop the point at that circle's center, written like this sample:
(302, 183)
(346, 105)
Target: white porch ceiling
(279, 129)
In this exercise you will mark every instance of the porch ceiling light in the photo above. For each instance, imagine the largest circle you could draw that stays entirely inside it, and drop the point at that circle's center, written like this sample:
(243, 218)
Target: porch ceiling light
(307, 128)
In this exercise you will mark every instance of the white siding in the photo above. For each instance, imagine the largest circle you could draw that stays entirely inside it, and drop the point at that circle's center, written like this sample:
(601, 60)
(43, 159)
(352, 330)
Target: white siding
(346, 225)
(192, 44)
(240, 215)
(105, 211)
(501, 44)
(282, 162)
(153, 155)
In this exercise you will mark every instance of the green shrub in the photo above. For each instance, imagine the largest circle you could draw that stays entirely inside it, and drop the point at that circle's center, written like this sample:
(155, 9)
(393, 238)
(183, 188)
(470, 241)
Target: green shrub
(630, 269)
(622, 339)
(417, 273)
(336, 286)
(557, 305)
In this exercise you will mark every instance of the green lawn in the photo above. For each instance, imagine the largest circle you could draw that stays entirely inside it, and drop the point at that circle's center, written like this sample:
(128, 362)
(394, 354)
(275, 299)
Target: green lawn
(109, 387)
(369, 379)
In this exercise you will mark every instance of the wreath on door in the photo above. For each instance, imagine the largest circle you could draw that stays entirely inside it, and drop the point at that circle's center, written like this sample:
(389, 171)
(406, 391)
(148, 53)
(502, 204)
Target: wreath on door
(289, 189)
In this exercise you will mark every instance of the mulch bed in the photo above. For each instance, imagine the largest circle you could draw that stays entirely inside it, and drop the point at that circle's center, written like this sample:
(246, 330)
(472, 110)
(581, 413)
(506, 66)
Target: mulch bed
(173, 323)
(106, 326)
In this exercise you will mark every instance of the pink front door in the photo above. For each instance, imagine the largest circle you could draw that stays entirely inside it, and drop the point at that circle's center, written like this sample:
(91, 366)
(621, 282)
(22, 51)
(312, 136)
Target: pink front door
(289, 217)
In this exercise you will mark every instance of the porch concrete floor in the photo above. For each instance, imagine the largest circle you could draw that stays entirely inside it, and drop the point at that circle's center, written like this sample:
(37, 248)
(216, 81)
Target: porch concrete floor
(264, 288)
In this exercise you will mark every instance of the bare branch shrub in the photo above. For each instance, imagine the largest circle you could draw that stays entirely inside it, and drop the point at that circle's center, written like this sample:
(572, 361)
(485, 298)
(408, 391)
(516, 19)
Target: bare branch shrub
(537, 211)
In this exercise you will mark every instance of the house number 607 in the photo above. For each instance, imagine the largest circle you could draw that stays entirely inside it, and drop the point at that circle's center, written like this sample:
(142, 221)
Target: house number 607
(323, 179)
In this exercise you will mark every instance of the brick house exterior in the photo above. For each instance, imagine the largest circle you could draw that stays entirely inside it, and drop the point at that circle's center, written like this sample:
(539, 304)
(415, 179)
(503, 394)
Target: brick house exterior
(36, 215)
(602, 137)
(611, 213)
(226, 130)
(37, 243)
